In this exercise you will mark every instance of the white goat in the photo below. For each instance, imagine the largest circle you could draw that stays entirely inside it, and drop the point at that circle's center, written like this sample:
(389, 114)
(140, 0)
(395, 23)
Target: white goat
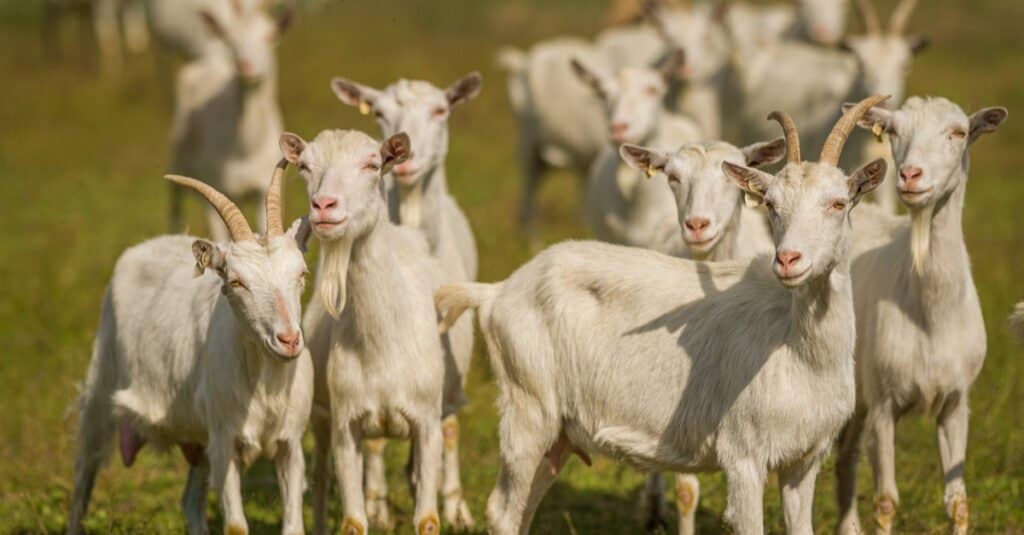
(375, 280)
(107, 18)
(418, 198)
(716, 226)
(620, 206)
(671, 364)
(226, 117)
(920, 334)
(213, 363)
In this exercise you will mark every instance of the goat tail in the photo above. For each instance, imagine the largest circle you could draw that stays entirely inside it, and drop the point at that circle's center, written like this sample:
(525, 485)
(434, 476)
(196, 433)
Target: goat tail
(511, 59)
(455, 299)
(1017, 321)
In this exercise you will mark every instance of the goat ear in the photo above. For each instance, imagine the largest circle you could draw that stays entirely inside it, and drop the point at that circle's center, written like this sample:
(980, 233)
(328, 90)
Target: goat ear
(765, 152)
(212, 24)
(866, 179)
(291, 147)
(591, 78)
(918, 43)
(673, 65)
(464, 89)
(284, 20)
(208, 256)
(755, 183)
(875, 117)
(986, 121)
(300, 231)
(647, 161)
(354, 94)
(395, 150)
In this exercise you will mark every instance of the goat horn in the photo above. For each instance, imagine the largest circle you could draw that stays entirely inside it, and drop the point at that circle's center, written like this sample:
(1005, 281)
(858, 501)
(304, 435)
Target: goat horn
(833, 147)
(868, 13)
(275, 221)
(792, 135)
(238, 227)
(901, 16)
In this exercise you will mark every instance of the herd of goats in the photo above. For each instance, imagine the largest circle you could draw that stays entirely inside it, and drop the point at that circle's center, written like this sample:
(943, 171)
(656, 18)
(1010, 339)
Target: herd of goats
(731, 319)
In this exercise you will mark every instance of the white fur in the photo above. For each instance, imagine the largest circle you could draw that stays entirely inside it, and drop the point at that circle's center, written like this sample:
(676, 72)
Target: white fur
(671, 364)
(382, 370)
(920, 334)
(187, 359)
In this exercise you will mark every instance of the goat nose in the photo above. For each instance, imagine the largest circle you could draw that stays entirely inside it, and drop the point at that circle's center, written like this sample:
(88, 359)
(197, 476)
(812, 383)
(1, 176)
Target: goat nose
(290, 339)
(619, 127)
(245, 67)
(787, 259)
(697, 224)
(323, 202)
(910, 174)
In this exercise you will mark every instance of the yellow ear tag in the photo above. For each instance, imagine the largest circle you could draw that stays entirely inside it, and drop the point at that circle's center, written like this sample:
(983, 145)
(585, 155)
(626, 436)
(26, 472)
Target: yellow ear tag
(877, 131)
(364, 107)
(651, 172)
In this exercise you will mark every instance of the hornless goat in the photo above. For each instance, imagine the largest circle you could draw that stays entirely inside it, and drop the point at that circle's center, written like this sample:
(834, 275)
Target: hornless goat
(226, 117)
(382, 371)
(671, 364)
(418, 198)
(920, 334)
(213, 362)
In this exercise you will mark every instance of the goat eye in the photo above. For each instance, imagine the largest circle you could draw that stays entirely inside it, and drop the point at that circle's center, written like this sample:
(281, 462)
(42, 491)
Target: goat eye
(838, 206)
(238, 285)
(651, 91)
(372, 166)
(958, 134)
(440, 111)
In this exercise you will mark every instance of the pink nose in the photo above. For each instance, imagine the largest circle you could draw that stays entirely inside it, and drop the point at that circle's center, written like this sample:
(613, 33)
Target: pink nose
(787, 259)
(619, 128)
(403, 168)
(289, 340)
(697, 224)
(323, 203)
(245, 67)
(910, 174)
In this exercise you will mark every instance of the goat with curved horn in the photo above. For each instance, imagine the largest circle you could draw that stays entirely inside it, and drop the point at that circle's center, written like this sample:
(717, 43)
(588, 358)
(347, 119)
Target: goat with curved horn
(275, 219)
(833, 147)
(901, 16)
(238, 227)
(792, 135)
(868, 14)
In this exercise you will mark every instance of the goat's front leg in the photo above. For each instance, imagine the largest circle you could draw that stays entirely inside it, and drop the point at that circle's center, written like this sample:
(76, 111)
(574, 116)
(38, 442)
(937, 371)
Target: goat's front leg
(797, 482)
(227, 483)
(456, 511)
(687, 495)
(376, 485)
(348, 466)
(321, 469)
(881, 446)
(426, 444)
(745, 510)
(291, 473)
(952, 430)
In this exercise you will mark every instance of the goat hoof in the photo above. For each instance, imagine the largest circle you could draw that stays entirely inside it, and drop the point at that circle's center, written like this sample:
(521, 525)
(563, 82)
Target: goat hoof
(456, 513)
(351, 526)
(885, 513)
(430, 525)
(960, 513)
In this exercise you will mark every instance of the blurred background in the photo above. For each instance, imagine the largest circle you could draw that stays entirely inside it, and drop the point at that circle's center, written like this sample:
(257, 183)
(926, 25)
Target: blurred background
(83, 148)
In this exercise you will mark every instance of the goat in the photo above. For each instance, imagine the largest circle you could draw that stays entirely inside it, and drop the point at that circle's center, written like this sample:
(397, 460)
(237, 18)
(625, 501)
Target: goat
(1017, 320)
(671, 364)
(920, 334)
(619, 205)
(716, 226)
(418, 197)
(226, 117)
(213, 363)
(375, 280)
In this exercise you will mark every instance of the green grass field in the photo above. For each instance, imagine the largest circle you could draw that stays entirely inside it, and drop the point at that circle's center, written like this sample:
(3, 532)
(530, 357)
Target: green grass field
(81, 159)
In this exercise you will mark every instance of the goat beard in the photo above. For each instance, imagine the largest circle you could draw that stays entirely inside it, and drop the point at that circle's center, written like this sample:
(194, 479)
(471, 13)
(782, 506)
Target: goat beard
(334, 262)
(920, 236)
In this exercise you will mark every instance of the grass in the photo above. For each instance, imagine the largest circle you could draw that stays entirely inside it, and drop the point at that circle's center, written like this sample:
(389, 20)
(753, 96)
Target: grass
(80, 161)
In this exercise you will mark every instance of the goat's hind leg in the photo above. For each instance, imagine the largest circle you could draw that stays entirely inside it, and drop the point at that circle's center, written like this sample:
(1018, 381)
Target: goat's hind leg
(847, 458)
(95, 436)
(193, 500)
